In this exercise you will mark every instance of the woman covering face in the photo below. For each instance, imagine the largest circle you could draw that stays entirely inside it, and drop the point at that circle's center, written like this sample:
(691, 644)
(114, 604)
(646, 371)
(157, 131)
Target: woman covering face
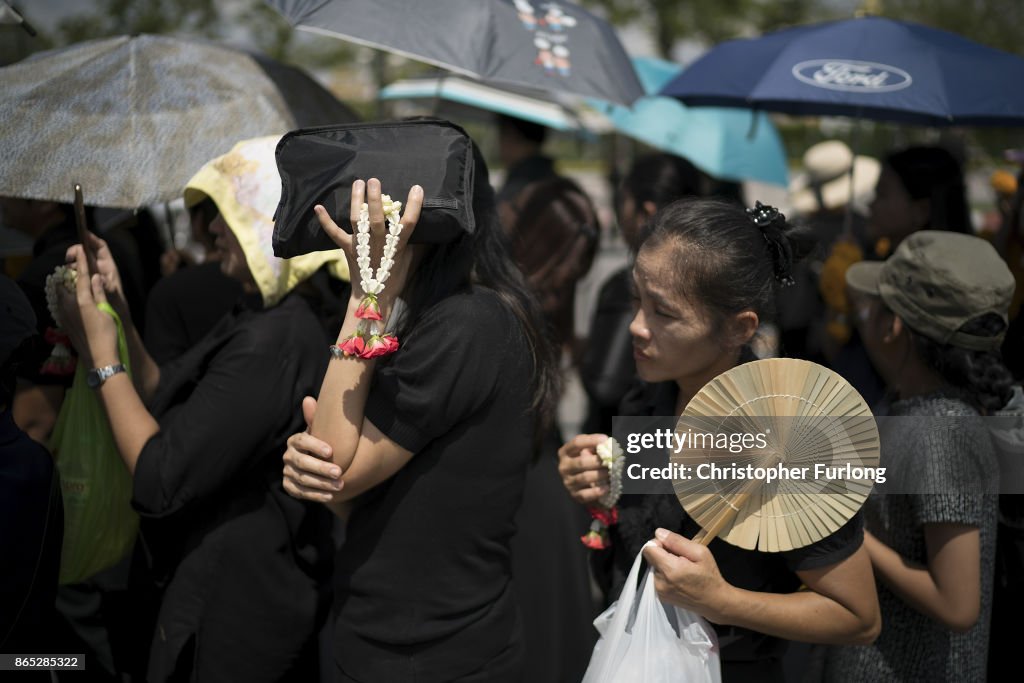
(422, 442)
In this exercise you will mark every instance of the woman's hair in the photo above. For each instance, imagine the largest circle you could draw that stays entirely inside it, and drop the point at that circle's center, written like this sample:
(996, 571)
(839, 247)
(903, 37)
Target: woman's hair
(661, 179)
(932, 173)
(981, 374)
(554, 241)
(482, 258)
(728, 259)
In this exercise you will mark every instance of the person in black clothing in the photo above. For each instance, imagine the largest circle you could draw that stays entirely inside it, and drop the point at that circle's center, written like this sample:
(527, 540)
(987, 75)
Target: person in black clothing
(553, 241)
(434, 440)
(30, 501)
(519, 145)
(607, 368)
(705, 276)
(243, 569)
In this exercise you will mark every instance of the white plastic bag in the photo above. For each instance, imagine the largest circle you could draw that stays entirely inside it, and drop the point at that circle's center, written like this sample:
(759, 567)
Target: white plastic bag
(645, 641)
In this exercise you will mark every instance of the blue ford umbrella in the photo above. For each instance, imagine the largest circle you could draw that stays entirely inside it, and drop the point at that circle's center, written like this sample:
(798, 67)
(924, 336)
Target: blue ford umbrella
(551, 46)
(726, 143)
(869, 67)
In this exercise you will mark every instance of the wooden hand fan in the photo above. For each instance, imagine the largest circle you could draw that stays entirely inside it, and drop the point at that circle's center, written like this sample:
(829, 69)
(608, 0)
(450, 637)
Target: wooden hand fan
(806, 415)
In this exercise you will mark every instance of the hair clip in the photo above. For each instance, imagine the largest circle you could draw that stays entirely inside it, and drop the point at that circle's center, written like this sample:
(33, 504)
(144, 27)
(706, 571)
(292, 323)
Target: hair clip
(764, 215)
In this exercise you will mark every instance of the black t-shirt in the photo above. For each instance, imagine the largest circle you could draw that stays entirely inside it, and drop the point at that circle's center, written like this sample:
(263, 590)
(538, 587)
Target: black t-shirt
(424, 577)
(640, 515)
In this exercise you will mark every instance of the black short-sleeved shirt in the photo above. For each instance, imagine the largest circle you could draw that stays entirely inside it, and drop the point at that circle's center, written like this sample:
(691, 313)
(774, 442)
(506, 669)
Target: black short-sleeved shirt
(245, 568)
(424, 588)
(640, 515)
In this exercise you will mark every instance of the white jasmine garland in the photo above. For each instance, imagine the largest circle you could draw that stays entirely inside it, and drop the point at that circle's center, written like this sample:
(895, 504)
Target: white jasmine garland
(373, 282)
(612, 457)
(62, 276)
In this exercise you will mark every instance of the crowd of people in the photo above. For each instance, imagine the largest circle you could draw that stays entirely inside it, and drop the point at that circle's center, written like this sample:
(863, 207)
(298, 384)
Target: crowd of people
(311, 511)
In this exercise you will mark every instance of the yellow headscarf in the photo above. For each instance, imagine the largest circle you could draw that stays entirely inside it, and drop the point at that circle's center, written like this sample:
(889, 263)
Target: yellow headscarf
(246, 187)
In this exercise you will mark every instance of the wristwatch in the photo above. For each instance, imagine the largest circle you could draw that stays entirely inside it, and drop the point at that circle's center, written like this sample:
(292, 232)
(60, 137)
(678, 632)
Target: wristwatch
(97, 376)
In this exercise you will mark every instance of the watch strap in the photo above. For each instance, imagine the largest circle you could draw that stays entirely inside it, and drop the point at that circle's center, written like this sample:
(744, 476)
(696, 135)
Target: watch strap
(98, 376)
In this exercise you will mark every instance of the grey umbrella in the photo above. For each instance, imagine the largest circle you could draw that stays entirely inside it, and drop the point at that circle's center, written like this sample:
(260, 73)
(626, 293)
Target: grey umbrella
(132, 118)
(539, 44)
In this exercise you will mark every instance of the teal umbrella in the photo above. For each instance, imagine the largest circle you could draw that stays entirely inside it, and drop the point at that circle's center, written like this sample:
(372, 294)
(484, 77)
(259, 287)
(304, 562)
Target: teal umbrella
(536, 106)
(732, 144)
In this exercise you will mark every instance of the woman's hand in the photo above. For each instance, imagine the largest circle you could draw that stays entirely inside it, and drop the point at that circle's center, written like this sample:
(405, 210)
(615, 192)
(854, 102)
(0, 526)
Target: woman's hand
(583, 475)
(686, 574)
(309, 473)
(370, 193)
(93, 333)
(104, 264)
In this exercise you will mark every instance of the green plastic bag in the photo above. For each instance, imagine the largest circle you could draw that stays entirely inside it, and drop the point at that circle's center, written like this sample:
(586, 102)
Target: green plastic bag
(99, 523)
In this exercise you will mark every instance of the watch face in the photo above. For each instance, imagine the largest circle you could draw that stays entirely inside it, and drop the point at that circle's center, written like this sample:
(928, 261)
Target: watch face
(92, 379)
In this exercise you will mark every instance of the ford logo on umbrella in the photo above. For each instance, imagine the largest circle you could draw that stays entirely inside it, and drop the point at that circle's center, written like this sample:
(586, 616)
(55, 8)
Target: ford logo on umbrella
(850, 76)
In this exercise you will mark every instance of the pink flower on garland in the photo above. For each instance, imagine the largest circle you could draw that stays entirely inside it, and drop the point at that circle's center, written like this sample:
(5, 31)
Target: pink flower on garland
(369, 308)
(353, 345)
(597, 538)
(594, 540)
(377, 346)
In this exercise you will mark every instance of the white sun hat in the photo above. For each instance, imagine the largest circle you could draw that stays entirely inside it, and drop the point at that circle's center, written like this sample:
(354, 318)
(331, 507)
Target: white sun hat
(825, 180)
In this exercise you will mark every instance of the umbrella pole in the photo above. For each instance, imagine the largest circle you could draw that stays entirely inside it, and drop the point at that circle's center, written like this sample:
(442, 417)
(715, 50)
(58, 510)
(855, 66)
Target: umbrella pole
(848, 214)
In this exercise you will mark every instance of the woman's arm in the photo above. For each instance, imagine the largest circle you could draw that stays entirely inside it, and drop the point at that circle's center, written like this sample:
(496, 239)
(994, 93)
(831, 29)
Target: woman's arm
(839, 607)
(145, 371)
(311, 474)
(94, 335)
(948, 589)
(362, 455)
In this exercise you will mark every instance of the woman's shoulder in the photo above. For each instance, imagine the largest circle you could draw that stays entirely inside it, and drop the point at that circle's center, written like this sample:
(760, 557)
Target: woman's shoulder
(476, 301)
(291, 322)
(936, 404)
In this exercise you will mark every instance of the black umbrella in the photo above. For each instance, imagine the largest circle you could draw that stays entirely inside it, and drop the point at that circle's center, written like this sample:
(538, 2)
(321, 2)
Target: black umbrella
(555, 46)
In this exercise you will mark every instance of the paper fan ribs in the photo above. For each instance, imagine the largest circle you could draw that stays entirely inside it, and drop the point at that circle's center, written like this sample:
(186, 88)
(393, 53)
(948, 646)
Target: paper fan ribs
(802, 428)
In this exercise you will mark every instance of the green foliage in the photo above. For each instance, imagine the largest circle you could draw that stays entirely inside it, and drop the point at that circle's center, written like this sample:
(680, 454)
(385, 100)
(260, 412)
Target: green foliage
(708, 21)
(120, 17)
(996, 23)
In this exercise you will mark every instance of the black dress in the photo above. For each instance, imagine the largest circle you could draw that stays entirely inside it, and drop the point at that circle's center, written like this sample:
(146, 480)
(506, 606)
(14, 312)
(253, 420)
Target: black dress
(424, 588)
(243, 567)
(745, 655)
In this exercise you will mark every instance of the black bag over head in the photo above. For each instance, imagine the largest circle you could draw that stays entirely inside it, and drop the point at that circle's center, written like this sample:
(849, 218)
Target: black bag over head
(319, 165)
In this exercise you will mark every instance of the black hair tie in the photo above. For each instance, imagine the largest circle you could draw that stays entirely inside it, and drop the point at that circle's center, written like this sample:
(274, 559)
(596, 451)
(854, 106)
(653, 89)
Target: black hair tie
(766, 217)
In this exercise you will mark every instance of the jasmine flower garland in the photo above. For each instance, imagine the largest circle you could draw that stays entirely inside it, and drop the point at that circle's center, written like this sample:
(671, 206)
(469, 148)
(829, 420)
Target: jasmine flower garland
(605, 513)
(368, 341)
(60, 362)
